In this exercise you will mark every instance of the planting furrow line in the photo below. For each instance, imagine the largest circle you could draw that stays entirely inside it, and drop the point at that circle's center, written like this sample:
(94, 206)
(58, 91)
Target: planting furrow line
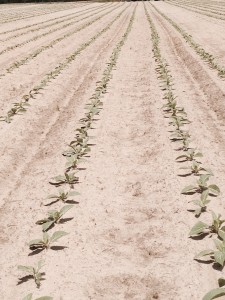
(19, 63)
(79, 147)
(179, 121)
(212, 9)
(21, 106)
(197, 11)
(204, 55)
(37, 37)
(79, 13)
(41, 23)
(39, 14)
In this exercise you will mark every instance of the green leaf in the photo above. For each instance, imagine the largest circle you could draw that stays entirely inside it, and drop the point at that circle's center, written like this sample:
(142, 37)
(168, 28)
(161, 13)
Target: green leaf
(44, 298)
(188, 189)
(28, 269)
(35, 242)
(221, 234)
(47, 225)
(219, 257)
(198, 228)
(65, 209)
(221, 282)
(204, 253)
(57, 235)
(28, 297)
(213, 294)
(214, 189)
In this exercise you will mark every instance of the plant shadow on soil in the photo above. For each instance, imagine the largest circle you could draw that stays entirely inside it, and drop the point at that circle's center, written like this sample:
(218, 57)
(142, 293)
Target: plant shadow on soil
(29, 277)
(54, 248)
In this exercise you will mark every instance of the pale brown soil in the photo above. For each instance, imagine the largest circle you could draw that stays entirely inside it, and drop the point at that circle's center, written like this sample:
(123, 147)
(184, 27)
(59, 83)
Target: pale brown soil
(128, 238)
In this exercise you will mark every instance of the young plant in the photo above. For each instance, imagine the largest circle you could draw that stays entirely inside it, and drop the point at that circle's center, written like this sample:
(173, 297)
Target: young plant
(196, 168)
(200, 227)
(201, 186)
(191, 155)
(67, 178)
(178, 121)
(30, 297)
(218, 256)
(181, 136)
(63, 196)
(72, 162)
(54, 217)
(46, 241)
(201, 203)
(216, 293)
(34, 272)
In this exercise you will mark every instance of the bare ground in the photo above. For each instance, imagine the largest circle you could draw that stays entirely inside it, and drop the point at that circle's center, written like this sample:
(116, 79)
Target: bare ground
(128, 238)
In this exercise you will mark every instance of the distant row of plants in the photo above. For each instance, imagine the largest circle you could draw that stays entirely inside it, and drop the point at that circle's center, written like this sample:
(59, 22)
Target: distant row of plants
(56, 22)
(5, 18)
(206, 56)
(21, 107)
(178, 120)
(75, 154)
(34, 54)
(38, 23)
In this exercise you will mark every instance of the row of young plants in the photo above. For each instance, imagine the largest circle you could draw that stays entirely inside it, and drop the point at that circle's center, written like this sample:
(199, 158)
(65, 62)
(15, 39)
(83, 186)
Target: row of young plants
(17, 64)
(215, 16)
(202, 6)
(39, 36)
(40, 12)
(178, 121)
(22, 106)
(76, 153)
(39, 23)
(57, 22)
(206, 56)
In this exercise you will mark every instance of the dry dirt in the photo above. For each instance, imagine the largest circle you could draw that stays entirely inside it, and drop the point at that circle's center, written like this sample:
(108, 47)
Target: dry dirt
(128, 235)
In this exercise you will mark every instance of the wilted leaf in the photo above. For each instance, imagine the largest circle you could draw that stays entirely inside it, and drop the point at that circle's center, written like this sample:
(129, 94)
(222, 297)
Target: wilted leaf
(203, 253)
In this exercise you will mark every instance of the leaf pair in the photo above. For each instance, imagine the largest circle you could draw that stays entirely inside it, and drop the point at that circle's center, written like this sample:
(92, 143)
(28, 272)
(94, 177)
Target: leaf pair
(54, 217)
(63, 196)
(34, 272)
(201, 227)
(67, 178)
(191, 155)
(46, 241)
(196, 168)
(201, 203)
(218, 255)
(201, 186)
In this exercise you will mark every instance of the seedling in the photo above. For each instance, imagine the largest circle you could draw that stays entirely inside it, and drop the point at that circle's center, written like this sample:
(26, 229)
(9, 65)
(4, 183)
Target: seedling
(201, 203)
(200, 227)
(54, 217)
(196, 168)
(191, 155)
(63, 196)
(34, 272)
(46, 241)
(201, 186)
(173, 109)
(218, 255)
(30, 297)
(178, 121)
(181, 136)
(67, 178)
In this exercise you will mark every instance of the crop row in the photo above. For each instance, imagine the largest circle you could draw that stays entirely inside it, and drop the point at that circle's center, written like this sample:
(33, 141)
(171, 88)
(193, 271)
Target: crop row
(204, 5)
(178, 121)
(32, 55)
(215, 16)
(79, 13)
(7, 19)
(77, 152)
(37, 37)
(39, 23)
(21, 107)
(204, 55)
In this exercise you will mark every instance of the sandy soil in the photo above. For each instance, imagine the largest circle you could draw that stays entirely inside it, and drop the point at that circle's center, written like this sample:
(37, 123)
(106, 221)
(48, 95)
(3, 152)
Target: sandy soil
(128, 236)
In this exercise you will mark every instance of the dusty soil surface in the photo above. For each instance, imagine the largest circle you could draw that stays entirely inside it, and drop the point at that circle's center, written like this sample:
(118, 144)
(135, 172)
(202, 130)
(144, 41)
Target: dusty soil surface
(128, 235)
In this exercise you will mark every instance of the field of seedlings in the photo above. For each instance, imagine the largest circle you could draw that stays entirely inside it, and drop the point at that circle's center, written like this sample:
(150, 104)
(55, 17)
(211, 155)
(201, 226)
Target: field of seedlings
(112, 130)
